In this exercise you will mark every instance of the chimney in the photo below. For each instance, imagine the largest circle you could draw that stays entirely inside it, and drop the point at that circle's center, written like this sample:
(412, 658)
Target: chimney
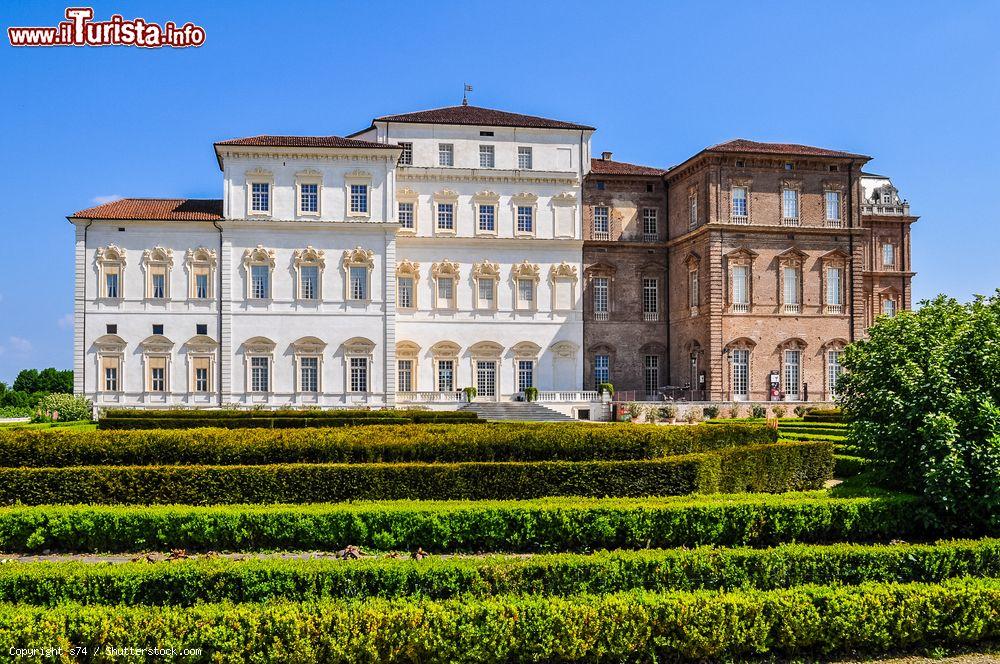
(606, 156)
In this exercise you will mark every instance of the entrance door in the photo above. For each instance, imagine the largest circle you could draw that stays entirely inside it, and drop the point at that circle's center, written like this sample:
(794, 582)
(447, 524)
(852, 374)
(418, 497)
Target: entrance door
(486, 379)
(793, 375)
(741, 374)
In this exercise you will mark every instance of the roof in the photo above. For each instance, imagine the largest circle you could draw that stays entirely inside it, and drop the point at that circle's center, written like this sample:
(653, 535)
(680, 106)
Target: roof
(265, 140)
(742, 145)
(477, 115)
(159, 209)
(608, 167)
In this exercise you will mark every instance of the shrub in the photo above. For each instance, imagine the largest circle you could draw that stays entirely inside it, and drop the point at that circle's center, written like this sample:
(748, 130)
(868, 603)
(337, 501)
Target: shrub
(15, 411)
(779, 411)
(923, 398)
(758, 411)
(634, 411)
(653, 414)
(15, 399)
(568, 524)
(606, 388)
(692, 415)
(65, 408)
(734, 412)
(257, 422)
(800, 410)
(831, 415)
(711, 412)
(531, 394)
(669, 412)
(848, 466)
(470, 393)
(788, 466)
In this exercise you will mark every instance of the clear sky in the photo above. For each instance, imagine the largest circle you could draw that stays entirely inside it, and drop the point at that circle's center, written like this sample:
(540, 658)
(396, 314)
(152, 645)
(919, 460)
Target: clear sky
(915, 84)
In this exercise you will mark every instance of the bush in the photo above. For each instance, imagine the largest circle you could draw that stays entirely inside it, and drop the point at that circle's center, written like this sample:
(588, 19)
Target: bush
(508, 628)
(848, 466)
(15, 399)
(779, 411)
(788, 466)
(923, 398)
(734, 412)
(832, 415)
(606, 388)
(711, 412)
(758, 411)
(15, 411)
(668, 412)
(311, 413)
(568, 524)
(800, 410)
(298, 422)
(507, 441)
(189, 582)
(65, 408)
(692, 415)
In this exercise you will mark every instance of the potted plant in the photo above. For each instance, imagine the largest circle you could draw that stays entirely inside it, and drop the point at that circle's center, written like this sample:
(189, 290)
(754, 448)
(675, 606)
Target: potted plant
(634, 411)
(669, 413)
(652, 414)
(711, 412)
(531, 393)
(692, 416)
(778, 411)
(758, 411)
(606, 388)
(470, 393)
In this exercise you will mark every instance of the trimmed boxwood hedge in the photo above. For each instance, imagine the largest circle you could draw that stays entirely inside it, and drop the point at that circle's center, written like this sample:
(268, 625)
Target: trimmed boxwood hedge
(274, 419)
(618, 627)
(139, 423)
(189, 582)
(350, 413)
(553, 524)
(428, 442)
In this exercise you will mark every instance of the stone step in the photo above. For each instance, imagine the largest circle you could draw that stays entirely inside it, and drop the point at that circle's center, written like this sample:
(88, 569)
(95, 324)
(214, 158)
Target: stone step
(516, 411)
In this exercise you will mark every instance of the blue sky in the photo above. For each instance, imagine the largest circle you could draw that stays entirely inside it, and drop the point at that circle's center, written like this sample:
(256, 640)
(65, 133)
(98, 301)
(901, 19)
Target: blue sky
(914, 84)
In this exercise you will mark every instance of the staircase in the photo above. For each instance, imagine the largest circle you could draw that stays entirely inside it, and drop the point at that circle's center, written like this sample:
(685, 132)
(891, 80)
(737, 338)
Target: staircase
(523, 411)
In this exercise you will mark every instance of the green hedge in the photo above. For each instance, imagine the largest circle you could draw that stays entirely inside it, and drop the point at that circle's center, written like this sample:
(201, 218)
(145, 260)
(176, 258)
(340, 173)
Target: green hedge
(274, 419)
(848, 466)
(189, 582)
(139, 423)
(555, 524)
(783, 466)
(825, 415)
(618, 627)
(351, 413)
(428, 442)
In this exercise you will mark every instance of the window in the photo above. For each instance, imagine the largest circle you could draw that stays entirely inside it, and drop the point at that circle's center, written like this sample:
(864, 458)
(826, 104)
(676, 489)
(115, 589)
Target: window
(525, 219)
(834, 289)
(111, 328)
(157, 374)
(446, 154)
(260, 370)
(888, 256)
(486, 378)
(485, 133)
(359, 198)
(740, 358)
(602, 223)
(650, 227)
(201, 268)
(201, 328)
(889, 306)
(202, 380)
(525, 293)
(201, 286)
(792, 374)
(446, 292)
(359, 374)
(524, 158)
(740, 275)
(693, 287)
(692, 211)
(404, 288)
(446, 216)
(649, 187)
(158, 328)
(309, 374)
(602, 373)
(789, 166)
(601, 298)
(487, 218)
(834, 369)
(525, 374)
(260, 288)
(406, 158)
(790, 278)
(405, 215)
(111, 366)
(159, 290)
(740, 209)
(309, 282)
(600, 185)
(487, 158)
(790, 207)
(260, 197)
(650, 299)
(651, 375)
(445, 275)
(308, 198)
(446, 375)
(157, 263)
(111, 287)
(833, 208)
(404, 375)
(359, 282)
(487, 293)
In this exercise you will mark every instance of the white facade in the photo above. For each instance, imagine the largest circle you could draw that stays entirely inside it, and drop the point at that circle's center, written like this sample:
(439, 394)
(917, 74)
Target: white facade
(290, 296)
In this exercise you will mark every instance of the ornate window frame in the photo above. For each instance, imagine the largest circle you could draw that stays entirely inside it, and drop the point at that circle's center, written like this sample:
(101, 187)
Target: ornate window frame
(309, 176)
(655, 272)
(445, 269)
(110, 260)
(480, 199)
(408, 351)
(485, 271)
(529, 200)
(407, 195)
(201, 347)
(833, 345)
(693, 264)
(745, 183)
(358, 177)
(833, 187)
(200, 261)
(157, 261)
(258, 347)
(791, 184)
(605, 271)
(566, 199)
(110, 347)
(792, 258)
(741, 257)
(526, 351)
(740, 343)
(408, 269)
(488, 351)
(836, 259)
(525, 271)
(308, 347)
(309, 257)
(160, 348)
(259, 256)
(792, 344)
(445, 197)
(564, 273)
(449, 351)
(259, 176)
(358, 257)
(354, 348)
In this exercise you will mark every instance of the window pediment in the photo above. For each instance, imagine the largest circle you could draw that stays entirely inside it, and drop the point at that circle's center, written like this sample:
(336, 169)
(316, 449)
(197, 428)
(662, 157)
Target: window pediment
(111, 254)
(159, 256)
(201, 343)
(407, 349)
(741, 343)
(486, 196)
(310, 256)
(358, 346)
(359, 256)
(565, 198)
(358, 175)
(444, 268)
(258, 345)
(525, 270)
(835, 344)
(445, 349)
(485, 269)
(200, 255)
(408, 268)
(446, 196)
(562, 271)
(833, 185)
(692, 261)
(792, 257)
(110, 343)
(526, 350)
(793, 343)
(486, 349)
(308, 345)
(564, 349)
(309, 174)
(407, 195)
(791, 183)
(835, 256)
(259, 255)
(259, 173)
(156, 343)
(601, 270)
(524, 197)
(741, 255)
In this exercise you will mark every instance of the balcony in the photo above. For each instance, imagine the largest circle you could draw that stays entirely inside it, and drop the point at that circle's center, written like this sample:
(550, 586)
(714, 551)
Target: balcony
(834, 308)
(650, 316)
(791, 308)
(602, 235)
(790, 221)
(834, 223)
(650, 237)
(902, 210)
(741, 219)
(741, 307)
(430, 397)
(601, 315)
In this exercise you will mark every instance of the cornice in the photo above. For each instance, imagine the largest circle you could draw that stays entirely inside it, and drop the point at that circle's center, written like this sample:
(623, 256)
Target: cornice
(434, 174)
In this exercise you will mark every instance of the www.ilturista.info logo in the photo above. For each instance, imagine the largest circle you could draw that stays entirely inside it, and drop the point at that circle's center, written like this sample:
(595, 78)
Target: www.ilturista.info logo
(80, 30)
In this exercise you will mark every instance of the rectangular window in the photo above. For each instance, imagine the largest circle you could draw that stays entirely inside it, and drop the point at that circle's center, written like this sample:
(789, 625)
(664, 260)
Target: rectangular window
(650, 299)
(111, 285)
(525, 375)
(601, 298)
(602, 223)
(309, 197)
(651, 375)
(834, 370)
(406, 158)
(309, 282)
(888, 256)
(260, 374)
(833, 208)
(446, 216)
(157, 374)
(525, 219)
(487, 218)
(359, 374)
(260, 282)
(693, 297)
(111, 366)
(404, 375)
(446, 154)
(446, 292)
(309, 374)
(359, 198)
(201, 380)
(446, 375)
(740, 209)
(741, 288)
(525, 293)
(487, 158)
(487, 293)
(404, 289)
(260, 197)
(359, 283)
(693, 211)
(486, 378)
(201, 328)
(111, 328)
(793, 359)
(602, 372)
(741, 374)
(157, 328)
(524, 160)
(201, 286)
(889, 306)
(405, 215)
(790, 207)
(834, 289)
(650, 225)
(790, 277)
(159, 285)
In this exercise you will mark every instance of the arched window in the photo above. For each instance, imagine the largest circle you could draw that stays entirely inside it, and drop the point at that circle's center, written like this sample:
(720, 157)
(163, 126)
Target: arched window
(445, 354)
(525, 276)
(201, 263)
(111, 271)
(485, 277)
(259, 265)
(309, 265)
(358, 264)
(157, 263)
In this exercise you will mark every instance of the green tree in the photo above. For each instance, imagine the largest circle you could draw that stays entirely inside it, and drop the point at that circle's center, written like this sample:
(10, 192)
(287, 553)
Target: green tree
(54, 381)
(26, 381)
(922, 395)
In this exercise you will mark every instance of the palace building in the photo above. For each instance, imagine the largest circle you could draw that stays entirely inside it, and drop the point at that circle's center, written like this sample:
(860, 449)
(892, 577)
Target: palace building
(470, 247)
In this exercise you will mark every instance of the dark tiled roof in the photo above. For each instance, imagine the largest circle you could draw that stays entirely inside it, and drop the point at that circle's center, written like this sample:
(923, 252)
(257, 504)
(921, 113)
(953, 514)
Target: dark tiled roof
(608, 167)
(306, 142)
(743, 145)
(476, 115)
(160, 209)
